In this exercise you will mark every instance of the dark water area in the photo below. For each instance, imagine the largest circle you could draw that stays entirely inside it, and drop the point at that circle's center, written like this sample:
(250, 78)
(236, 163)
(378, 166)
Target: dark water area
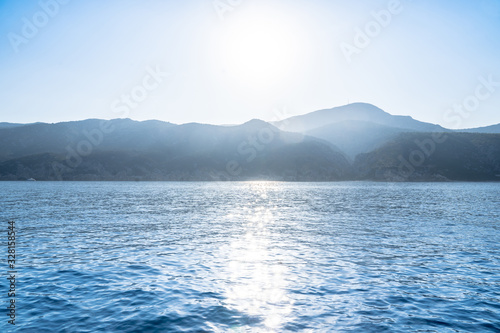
(253, 257)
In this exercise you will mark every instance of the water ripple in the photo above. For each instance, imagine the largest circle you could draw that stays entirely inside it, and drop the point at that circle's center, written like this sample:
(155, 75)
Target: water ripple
(255, 257)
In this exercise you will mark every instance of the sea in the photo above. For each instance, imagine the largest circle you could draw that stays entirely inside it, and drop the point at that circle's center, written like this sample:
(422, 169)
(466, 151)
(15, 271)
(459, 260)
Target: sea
(250, 257)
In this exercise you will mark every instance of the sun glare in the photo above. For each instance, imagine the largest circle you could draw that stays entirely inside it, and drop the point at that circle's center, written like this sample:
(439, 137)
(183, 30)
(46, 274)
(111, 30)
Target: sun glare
(260, 50)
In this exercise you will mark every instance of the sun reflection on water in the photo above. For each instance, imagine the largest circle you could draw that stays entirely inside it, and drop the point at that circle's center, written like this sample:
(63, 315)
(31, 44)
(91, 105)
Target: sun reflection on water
(257, 278)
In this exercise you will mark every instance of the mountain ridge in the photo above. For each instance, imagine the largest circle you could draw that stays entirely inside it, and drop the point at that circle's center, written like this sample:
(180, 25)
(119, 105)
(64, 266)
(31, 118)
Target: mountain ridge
(353, 142)
(354, 111)
(127, 150)
(282, 123)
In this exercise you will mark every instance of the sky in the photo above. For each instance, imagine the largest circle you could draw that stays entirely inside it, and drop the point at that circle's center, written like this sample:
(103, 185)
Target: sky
(230, 61)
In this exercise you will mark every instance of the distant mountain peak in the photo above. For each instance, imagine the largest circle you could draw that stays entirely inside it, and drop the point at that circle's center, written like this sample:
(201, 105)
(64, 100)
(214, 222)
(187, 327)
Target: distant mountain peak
(359, 104)
(352, 112)
(255, 124)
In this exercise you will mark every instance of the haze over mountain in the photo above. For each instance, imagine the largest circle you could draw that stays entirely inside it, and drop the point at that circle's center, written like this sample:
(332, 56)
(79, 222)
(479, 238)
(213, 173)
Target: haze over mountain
(353, 112)
(433, 157)
(9, 125)
(355, 128)
(124, 149)
(493, 129)
(356, 141)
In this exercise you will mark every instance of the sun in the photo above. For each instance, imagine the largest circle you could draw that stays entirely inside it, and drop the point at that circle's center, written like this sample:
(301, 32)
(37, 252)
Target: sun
(260, 50)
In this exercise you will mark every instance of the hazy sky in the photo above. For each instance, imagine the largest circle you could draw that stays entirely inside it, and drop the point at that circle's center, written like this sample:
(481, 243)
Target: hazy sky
(228, 61)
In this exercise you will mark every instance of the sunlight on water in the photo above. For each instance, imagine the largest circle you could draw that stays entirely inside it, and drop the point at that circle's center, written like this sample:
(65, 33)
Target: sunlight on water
(258, 282)
(256, 257)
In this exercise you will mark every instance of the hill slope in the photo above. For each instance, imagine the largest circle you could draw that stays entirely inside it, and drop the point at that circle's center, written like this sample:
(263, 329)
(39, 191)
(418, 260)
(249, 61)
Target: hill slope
(422, 157)
(355, 128)
(493, 129)
(353, 112)
(377, 146)
(128, 150)
(356, 137)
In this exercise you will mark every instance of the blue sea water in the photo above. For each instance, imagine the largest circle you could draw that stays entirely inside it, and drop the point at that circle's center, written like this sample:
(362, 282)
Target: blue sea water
(253, 257)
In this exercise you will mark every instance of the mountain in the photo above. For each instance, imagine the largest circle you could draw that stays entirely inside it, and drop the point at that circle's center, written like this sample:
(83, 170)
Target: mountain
(55, 138)
(355, 128)
(433, 157)
(364, 112)
(353, 142)
(356, 137)
(9, 125)
(123, 149)
(493, 129)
